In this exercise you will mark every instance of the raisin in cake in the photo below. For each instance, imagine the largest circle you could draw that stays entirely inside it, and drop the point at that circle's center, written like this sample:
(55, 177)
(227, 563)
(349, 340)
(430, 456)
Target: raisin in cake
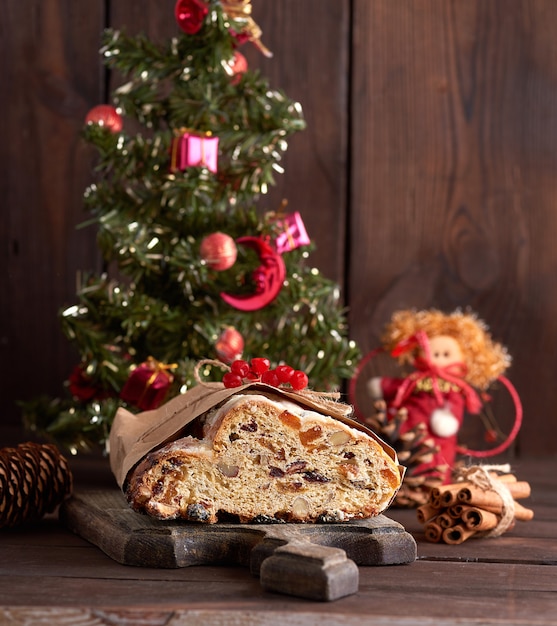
(265, 459)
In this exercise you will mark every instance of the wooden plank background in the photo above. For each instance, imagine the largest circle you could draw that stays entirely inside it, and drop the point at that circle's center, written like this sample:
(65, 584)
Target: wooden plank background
(426, 176)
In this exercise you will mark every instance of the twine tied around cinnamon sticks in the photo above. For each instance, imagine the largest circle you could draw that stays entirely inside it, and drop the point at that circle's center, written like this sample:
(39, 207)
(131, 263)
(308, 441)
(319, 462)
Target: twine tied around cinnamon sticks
(480, 503)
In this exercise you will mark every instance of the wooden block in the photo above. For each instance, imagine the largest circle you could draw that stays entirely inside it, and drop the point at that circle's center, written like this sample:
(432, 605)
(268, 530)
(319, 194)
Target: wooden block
(328, 553)
(310, 571)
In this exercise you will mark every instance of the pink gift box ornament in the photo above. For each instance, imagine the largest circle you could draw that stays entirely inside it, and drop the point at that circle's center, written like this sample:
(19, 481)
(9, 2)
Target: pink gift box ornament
(294, 233)
(194, 150)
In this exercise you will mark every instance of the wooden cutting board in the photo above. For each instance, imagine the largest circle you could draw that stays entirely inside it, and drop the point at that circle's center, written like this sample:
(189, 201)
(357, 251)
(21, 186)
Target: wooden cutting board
(315, 561)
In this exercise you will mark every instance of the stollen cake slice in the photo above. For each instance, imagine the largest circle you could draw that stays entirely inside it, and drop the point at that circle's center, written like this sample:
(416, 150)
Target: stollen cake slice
(263, 458)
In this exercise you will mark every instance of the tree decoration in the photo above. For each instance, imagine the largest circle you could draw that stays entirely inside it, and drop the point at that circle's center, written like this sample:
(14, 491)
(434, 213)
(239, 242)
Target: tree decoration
(292, 233)
(268, 277)
(81, 386)
(219, 251)
(229, 345)
(190, 15)
(34, 480)
(106, 116)
(148, 385)
(247, 29)
(237, 67)
(191, 149)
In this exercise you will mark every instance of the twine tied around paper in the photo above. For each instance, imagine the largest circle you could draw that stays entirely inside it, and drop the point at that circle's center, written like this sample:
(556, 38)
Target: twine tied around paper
(325, 400)
(479, 476)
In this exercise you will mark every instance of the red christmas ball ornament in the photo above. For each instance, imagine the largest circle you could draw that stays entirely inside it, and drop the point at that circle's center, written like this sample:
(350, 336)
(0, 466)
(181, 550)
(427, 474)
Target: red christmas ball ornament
(190, 15)
(219, 251)
(107, 116)
(230, 345)
(237, 67)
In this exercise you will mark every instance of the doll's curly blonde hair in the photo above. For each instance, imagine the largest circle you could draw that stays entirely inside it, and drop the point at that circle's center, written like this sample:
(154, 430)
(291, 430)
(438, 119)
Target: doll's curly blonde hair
(485, 359)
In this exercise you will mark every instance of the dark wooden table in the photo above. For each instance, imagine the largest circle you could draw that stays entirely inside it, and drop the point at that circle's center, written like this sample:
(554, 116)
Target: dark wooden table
(50, 576)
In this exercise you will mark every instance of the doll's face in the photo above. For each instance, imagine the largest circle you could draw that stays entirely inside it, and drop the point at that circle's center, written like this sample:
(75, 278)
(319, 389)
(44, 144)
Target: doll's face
(445, 351)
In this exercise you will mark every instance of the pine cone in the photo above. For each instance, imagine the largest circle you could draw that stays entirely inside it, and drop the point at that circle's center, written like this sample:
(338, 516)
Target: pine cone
(34, 480)
(414, 448)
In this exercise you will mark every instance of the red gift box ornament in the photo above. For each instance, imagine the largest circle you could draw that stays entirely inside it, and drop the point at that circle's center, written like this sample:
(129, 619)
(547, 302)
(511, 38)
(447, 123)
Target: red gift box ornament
(191, 149)
(148, 384)
(294, 233)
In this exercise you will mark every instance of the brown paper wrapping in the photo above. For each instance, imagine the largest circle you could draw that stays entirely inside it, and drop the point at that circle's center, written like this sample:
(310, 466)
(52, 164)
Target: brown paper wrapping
(133, 436)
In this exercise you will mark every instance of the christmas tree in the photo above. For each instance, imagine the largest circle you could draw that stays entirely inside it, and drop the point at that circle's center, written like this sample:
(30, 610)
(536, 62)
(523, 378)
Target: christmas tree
(193, 269)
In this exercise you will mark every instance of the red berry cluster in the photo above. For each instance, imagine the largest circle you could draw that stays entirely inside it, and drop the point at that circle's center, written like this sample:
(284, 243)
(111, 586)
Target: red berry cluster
(259, 370)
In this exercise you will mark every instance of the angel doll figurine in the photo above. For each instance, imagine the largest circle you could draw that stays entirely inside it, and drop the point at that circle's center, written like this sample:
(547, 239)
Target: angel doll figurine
(453, 357)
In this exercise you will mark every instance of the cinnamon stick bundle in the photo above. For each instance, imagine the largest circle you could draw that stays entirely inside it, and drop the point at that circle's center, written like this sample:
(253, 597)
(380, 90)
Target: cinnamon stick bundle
(491, 501)
(481, 504)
